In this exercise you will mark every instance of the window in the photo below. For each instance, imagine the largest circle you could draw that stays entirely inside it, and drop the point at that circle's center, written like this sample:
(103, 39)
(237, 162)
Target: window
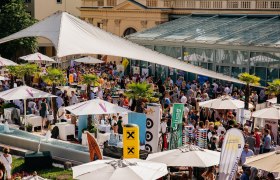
(217, 4)
(59, 1)
(151, 3)
(111, 2)
(100, 3)
(205, 4)
(232, 4)
(27, 1)
(262, 4)
(166, 3)
(275, 5)
(246, 5)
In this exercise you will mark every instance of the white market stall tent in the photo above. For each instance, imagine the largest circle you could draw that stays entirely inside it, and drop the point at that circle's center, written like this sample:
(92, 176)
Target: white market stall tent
(71, 35)
(89, 60)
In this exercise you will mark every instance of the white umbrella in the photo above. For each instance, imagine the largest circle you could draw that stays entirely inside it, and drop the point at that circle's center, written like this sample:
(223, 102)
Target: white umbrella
(37, 57)
(24, 92)
(268, 113)
(2, 78)
(134, 169)
(95, 106)
(7, 62)
(224, 102)
(189, 155)
(67, 88)
(268, 162)
(273, 100)
(88, 60)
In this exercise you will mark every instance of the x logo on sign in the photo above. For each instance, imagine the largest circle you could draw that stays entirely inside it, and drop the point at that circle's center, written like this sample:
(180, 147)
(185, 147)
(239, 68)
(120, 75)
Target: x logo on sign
(130, 150)
(130, 135)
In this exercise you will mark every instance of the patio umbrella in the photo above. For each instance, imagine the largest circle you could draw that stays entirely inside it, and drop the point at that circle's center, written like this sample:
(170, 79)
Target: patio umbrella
(37, 57)
(224, 102)
(268, 162)
(268, 113)
(273, 100)
(24, 92)
(95, 106)
(188, 155)
(88, 60)
(7, 62)
(135, 169)
(2, 78)
(67, 88)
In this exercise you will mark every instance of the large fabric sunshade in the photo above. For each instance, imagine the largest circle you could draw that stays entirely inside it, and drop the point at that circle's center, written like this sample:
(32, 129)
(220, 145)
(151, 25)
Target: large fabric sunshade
(70, 35)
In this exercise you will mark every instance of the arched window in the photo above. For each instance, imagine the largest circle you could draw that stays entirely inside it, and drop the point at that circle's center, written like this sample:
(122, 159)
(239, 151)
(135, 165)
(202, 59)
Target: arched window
(129, 31)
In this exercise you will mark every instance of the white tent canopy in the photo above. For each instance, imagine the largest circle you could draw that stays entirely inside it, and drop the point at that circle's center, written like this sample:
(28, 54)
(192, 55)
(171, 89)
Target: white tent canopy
(70, 35)
(273, 100)
(7, 62)
(89, 60)
(37, 57)
(261, 58)
(23, 92)
(187, 156)
(224, 102)
(268, 113)
(95, 106)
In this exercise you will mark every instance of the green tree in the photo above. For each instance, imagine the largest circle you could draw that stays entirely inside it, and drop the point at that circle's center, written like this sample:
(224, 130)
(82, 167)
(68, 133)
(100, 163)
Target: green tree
(24, 71)
(274, 88)
(90, 79)
(248, 79)
(139, 92)
(13, 18)
(54, 77)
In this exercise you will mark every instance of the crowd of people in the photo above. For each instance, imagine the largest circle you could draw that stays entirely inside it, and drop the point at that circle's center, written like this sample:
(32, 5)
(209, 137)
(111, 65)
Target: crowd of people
(113, 83)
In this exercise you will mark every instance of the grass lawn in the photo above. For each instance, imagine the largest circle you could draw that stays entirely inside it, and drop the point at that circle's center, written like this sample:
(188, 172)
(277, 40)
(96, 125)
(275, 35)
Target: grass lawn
(53, 173)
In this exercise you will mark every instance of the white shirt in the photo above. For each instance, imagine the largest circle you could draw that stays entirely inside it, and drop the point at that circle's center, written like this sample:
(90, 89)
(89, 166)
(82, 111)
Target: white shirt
(163, 127)
(7, 161)
(184, 99)
(74, 100)
(61, 113)
(227, 90)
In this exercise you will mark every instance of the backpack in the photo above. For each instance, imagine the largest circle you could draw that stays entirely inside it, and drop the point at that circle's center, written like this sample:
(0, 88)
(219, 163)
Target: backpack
(55, 132)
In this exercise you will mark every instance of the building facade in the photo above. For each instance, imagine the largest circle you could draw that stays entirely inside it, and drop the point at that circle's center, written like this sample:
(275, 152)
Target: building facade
(123, 17)
(40, 9)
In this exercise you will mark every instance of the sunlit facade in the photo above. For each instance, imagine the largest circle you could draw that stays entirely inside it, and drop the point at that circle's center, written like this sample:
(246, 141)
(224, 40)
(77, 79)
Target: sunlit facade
(228, 44)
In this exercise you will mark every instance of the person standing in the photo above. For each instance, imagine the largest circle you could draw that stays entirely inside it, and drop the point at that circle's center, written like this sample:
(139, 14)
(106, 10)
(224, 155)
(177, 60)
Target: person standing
(257, 136)
(246, 153)
(6, 159)
(43, 112)
(74, 98)
(266, 141)
(209, 174)
(251, 140)
(120, 125)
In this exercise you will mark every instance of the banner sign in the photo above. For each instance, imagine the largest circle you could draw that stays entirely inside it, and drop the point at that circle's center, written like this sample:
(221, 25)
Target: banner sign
(140, 120)
(130, 141)
(177, 118)
(231, 151)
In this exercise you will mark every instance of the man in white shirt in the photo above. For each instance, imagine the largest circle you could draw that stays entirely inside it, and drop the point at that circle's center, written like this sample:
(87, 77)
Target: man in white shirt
(227, 90)
(74, 98)
(99, 93)
(61, 114)
(184, 99)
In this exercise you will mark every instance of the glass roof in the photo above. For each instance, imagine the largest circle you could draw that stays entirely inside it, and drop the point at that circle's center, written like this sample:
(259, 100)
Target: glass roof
(218, 29)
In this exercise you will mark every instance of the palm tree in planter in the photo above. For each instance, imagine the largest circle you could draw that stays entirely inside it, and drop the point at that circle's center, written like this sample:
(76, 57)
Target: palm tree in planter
(24, 71)
(90, 79)
(248, 79)
(140, 92)
(274, 88)
(54, 77)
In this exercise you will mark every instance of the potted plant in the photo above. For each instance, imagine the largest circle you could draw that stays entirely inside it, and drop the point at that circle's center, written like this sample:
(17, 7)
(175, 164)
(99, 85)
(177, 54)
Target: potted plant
(29, 127)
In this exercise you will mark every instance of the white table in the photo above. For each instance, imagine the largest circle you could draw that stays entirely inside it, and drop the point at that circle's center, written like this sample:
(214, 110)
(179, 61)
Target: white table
(34, 120)
(8, 113)
(65, 130)
(101, 138)
(104, 128)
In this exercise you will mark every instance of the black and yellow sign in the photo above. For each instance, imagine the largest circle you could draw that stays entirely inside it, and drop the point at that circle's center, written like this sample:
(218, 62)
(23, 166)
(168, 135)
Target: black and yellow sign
(131, 141)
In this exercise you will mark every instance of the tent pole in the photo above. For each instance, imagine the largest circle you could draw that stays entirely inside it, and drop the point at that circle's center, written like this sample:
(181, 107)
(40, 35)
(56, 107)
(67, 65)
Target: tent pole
(24, 111)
